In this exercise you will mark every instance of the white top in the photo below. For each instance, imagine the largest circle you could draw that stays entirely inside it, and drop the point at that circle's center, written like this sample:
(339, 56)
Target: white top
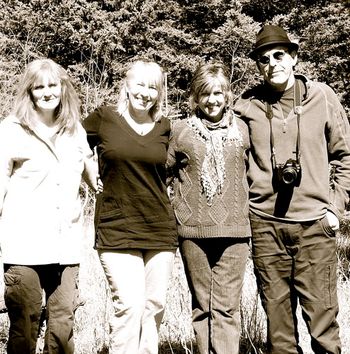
(40, 206)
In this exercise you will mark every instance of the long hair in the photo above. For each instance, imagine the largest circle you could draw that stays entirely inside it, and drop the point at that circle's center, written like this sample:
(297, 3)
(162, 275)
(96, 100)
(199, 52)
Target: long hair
(154, 73)
(204, 79)
(68, 111)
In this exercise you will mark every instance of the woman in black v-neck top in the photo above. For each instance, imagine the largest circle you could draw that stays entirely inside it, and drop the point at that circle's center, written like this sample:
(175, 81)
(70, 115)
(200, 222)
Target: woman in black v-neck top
(134, 222)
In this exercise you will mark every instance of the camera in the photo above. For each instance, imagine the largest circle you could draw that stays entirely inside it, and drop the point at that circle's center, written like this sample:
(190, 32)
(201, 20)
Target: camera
(289, 173)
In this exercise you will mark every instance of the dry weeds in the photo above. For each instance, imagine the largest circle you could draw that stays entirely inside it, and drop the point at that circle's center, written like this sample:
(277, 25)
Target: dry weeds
(176, 335)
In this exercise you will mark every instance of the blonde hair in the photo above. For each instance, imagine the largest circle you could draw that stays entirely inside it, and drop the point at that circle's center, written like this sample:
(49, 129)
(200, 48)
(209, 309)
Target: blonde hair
(204, 79)
(155, 75)
(68, 111)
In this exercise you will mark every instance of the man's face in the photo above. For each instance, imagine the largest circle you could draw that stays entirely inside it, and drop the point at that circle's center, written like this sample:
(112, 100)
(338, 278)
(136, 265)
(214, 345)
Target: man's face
(276, 65)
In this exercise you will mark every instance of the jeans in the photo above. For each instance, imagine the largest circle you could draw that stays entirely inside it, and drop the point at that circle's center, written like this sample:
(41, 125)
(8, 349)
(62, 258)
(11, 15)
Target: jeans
(297, 261)
(215, 272)
(24, 298)
(138, 280)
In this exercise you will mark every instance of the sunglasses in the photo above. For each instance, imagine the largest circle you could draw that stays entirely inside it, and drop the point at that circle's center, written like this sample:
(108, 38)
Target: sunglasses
(265, 59)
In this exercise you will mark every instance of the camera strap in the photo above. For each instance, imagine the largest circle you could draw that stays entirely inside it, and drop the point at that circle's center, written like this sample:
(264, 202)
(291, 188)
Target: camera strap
(297, 110)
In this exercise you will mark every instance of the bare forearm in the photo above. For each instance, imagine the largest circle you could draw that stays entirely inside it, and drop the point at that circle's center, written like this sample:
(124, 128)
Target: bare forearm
(90, 174)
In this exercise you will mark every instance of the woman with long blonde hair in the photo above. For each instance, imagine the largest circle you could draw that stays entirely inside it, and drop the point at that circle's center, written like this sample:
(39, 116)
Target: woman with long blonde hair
(44, 153)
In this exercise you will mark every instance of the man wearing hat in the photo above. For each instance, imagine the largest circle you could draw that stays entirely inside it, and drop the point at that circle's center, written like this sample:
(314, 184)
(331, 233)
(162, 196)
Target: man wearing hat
(297, 127)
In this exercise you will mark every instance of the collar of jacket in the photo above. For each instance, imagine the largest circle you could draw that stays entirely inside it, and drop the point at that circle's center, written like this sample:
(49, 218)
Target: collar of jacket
(260, 93)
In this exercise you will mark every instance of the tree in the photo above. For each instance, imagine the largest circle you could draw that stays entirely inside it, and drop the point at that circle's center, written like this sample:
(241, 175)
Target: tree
(95, 40)
(324, 44)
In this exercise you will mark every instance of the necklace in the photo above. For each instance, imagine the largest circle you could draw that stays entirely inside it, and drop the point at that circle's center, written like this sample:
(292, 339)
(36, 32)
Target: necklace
(142, 128)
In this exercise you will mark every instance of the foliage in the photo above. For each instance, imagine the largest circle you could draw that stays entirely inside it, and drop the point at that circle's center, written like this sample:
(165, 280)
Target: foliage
(343, 243)
(325, 43)
(268, 9)
(96, 39)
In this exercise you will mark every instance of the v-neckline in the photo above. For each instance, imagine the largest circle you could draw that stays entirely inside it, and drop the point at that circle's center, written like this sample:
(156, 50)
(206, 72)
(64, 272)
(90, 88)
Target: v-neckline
(135, 134)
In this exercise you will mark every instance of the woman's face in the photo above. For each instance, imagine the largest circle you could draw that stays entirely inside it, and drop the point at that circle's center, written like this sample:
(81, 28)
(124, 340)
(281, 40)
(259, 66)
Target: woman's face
(46, 93)
(142, 92)
(212, 102)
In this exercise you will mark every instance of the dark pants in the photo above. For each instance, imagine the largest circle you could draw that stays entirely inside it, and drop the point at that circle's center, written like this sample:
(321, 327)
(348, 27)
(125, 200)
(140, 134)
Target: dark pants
(215, 271)
(23, 298)
(297, 261)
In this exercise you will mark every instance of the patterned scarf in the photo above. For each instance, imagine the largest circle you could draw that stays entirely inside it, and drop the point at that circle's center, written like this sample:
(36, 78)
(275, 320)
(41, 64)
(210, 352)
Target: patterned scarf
(215, 136)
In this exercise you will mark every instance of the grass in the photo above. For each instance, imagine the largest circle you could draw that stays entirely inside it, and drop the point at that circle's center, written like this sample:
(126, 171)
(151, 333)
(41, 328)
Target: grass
(176, 335)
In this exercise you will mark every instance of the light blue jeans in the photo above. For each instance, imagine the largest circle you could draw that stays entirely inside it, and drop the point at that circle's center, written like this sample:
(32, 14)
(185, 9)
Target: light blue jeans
(138, 280)
(23, 299)
(215, 272)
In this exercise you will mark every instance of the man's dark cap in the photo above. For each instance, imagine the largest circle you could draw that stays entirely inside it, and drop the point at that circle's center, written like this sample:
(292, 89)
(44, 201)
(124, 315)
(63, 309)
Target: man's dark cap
(271, 36)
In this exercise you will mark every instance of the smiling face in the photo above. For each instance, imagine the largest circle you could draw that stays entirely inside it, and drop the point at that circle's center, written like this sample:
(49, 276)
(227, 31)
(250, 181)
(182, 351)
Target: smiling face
(46, 93)
(210, 91)
(276, 65)
(211, 101)
(142, 91)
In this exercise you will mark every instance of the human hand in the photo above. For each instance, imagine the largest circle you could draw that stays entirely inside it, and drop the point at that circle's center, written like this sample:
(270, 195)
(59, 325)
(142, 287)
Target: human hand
(333, 221)
(99, 182)
(182, 159)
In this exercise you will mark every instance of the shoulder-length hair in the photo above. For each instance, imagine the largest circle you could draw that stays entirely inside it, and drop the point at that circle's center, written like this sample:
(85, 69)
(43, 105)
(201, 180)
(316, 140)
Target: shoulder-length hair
(68, 111)
(155, 76)
(204, 78)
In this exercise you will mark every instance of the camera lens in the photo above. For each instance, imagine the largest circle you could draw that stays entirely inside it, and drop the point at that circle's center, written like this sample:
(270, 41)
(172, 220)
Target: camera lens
(290, 174)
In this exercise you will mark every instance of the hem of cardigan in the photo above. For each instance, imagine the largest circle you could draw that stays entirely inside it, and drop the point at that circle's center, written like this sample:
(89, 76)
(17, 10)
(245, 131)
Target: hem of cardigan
(213, 231)
(135, 247)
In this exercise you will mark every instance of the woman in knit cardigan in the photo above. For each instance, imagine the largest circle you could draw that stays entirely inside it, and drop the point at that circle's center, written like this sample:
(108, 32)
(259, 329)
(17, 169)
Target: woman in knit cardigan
(207, 163)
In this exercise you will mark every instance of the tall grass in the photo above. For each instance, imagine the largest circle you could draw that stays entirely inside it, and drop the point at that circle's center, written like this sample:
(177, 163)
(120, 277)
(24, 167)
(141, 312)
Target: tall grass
(176, 334)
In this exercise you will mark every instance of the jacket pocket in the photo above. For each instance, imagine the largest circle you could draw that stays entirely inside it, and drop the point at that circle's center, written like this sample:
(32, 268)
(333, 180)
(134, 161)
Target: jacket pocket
(111, 214)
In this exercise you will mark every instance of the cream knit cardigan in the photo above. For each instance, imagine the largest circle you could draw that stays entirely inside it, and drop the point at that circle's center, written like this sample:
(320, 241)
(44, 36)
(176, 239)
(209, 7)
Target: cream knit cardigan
(227, 215)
